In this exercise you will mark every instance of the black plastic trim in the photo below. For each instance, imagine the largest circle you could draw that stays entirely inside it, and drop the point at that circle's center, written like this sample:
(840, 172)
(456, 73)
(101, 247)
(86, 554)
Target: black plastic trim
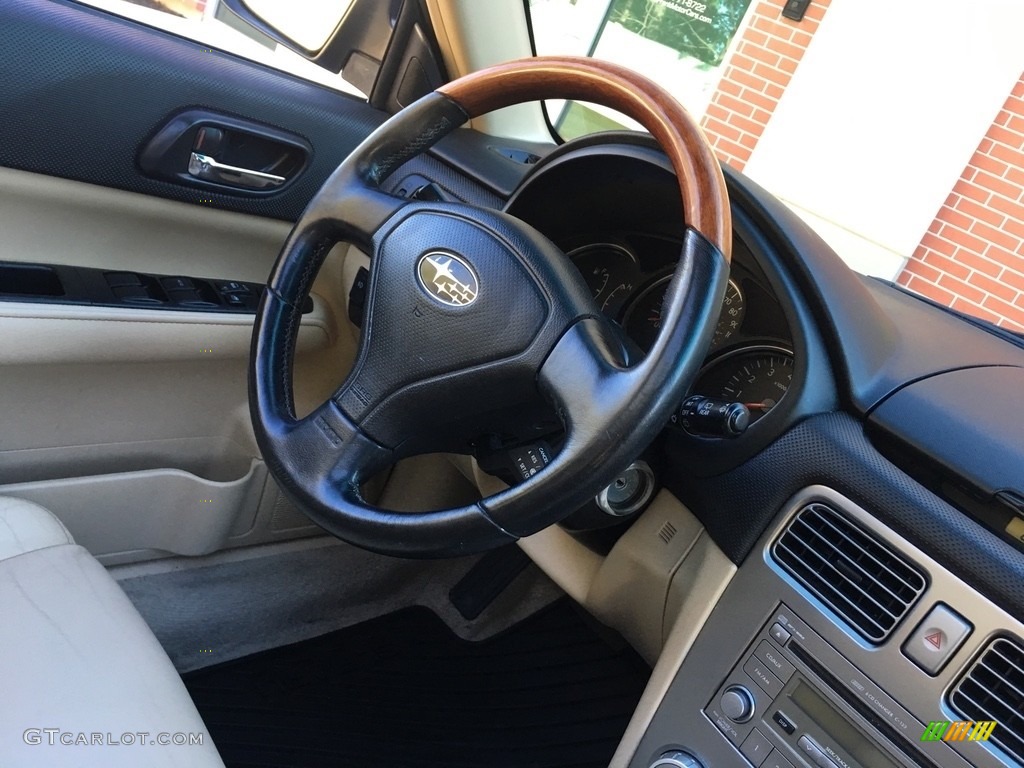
(980, 408)
(83, 286)
(879, 337)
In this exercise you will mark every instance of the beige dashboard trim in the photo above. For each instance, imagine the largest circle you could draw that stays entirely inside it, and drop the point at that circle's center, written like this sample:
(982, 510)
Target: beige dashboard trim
(703, 577)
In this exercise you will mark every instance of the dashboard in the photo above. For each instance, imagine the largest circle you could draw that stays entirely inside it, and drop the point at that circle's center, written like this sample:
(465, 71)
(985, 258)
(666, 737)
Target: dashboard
(862, 459)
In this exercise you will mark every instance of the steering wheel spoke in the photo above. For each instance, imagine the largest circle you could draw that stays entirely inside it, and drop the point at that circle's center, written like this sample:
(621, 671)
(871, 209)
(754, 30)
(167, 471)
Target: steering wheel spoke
(326, 448)
(355, 210)
(586, 379)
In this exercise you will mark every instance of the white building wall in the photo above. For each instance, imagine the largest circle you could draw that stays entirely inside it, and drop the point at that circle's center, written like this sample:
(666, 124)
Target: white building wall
(889, 103)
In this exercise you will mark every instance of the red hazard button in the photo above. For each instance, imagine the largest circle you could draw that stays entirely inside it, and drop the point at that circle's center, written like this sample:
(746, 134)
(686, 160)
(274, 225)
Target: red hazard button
(937, 638)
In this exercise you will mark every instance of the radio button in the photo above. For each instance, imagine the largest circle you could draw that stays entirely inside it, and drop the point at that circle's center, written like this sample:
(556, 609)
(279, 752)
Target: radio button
(815, 755)
(756, 747)
(809, 747)
(769, 682)
(776, 760)
(777, 665)
(779, 634)
(737, 704)
(936, 639)
(784, 723)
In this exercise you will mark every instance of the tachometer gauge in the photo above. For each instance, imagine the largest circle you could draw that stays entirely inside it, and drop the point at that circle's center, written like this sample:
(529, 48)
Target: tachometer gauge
(611, 273)
(643, 319)
(758, 377)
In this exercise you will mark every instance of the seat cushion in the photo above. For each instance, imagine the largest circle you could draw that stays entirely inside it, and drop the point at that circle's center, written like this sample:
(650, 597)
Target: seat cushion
(25, 526)
(84, 680)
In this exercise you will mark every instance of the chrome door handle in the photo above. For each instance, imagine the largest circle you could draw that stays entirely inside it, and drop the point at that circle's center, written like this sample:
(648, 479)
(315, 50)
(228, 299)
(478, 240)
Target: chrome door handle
(206, 168)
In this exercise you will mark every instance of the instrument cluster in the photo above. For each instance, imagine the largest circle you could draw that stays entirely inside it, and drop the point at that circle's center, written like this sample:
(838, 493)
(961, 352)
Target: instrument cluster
(750, 361)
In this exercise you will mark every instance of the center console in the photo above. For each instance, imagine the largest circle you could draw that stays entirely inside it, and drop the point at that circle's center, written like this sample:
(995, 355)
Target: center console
(839, 644)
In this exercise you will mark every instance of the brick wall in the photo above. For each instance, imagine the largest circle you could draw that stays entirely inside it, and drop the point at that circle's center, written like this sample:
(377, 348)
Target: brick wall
(756, 76)
(972, 257)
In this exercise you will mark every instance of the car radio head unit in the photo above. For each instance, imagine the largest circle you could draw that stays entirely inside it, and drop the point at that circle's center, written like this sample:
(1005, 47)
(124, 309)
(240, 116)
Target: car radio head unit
(792, 699)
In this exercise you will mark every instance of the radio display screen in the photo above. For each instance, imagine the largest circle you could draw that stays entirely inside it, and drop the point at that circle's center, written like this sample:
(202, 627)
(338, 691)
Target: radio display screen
(835, 724)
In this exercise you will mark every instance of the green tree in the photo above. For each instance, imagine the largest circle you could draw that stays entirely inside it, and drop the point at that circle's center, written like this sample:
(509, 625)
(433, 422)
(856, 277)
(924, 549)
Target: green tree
(703, 34)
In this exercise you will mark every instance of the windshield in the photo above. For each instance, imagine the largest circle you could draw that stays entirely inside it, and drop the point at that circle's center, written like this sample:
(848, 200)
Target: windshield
(906, 159)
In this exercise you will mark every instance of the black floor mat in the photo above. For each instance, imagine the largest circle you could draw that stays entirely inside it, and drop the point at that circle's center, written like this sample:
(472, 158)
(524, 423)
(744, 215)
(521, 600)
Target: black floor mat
(404, 691)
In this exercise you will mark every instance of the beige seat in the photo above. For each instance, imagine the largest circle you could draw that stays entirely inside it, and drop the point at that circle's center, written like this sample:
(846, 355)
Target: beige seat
(84, 680)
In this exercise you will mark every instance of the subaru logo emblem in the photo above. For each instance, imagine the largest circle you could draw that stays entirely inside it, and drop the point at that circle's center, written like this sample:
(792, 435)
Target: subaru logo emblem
(448, 278)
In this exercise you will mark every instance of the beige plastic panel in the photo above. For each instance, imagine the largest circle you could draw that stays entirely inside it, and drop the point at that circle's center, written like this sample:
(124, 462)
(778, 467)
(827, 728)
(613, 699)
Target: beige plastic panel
(631, 589)
(221, 459)
(470, 40)
(656, 587)
(697, 586)
(49, 220)
(162, 509)
(124, 420)
(665, 567)
(39, 333)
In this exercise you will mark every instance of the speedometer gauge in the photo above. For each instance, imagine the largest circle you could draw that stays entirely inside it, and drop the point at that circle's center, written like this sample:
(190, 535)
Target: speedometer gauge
(734, 307)
(758, 377)
(643, 319)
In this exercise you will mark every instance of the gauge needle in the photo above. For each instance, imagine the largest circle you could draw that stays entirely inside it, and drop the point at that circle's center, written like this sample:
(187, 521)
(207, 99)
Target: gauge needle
(765, 405)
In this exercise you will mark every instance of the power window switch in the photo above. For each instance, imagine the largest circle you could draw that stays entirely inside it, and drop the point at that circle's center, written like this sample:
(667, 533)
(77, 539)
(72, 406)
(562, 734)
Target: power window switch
(135, 294)
(183, 296)
(936, 639)
(121, 279)
(232, 286)
(177, 284)
(234, 300)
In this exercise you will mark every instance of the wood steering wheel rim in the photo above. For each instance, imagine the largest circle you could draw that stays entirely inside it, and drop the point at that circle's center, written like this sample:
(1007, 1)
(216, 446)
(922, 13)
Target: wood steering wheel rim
(701, 183)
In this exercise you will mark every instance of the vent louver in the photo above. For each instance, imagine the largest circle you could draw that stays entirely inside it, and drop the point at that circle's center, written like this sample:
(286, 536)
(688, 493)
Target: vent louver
(857, 576)
(993, 689)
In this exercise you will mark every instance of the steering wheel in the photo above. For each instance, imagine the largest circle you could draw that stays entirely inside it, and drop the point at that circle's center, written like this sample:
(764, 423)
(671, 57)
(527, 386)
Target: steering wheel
(470, 312)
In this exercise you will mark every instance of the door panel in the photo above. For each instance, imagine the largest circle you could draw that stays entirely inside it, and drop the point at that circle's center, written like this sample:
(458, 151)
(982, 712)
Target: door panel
(132, 424)
(84, 90)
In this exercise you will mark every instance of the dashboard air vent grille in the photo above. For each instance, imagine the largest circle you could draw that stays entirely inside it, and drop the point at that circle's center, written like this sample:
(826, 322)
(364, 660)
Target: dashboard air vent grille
(858, 577)
(993, 689)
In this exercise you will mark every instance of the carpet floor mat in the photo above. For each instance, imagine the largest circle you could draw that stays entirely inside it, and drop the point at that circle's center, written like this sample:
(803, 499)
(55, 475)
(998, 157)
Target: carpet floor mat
(403, 690)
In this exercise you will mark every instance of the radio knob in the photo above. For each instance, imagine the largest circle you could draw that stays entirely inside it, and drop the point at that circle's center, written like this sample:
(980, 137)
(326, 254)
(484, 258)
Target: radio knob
(737, 704)
(677, 759)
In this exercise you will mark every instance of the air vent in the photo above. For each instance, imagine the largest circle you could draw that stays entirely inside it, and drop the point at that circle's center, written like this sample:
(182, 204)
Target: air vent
(858, 577)
(993, 689)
